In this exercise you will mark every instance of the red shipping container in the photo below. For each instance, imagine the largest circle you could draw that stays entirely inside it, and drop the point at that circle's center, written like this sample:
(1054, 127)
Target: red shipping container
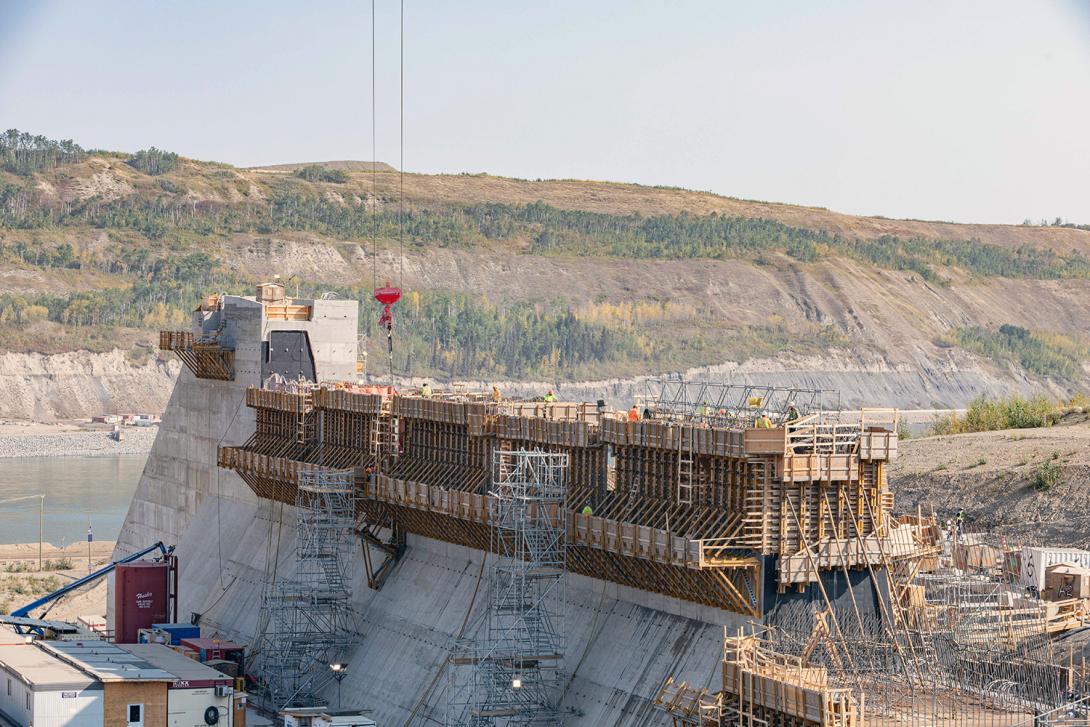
(140, 598)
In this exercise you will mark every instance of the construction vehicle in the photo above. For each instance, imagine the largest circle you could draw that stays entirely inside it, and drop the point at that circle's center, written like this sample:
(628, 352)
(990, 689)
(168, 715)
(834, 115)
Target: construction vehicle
(21, 619)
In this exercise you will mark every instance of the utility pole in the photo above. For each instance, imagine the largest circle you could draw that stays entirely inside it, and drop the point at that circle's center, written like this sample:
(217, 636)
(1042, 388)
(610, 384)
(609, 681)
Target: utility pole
(41, 517)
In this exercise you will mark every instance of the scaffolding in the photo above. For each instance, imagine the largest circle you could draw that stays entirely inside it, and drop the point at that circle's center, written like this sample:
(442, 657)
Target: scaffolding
(307, 615)
(508, 671)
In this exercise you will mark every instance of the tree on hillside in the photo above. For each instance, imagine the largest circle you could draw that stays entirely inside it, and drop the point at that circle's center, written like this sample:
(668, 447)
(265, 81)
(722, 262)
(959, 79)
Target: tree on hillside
(24, 154)
(317, 173)
(153, 161)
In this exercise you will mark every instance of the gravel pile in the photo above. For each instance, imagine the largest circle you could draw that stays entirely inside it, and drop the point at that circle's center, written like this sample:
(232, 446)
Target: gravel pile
(78, 444)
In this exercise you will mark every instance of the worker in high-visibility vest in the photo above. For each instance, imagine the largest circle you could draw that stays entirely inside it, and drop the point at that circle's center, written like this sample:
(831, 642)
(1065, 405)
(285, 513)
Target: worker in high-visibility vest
(763, 422)
(633, 414)
(550, 397)
(425, 390)
(495, 394)
(705, 410)
(587, 509)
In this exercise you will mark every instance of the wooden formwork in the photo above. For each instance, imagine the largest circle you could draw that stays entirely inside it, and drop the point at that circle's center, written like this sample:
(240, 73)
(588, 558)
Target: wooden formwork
(205, 360)
(631, 555)
(759, 682)
(816, 497)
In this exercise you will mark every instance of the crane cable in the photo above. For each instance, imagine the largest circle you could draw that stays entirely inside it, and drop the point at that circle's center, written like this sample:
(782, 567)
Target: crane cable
(401, 163)
(390, 297)
(374, 172)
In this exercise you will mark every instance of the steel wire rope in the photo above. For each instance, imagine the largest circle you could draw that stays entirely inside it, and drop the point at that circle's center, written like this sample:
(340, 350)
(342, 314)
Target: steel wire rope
(374, 169)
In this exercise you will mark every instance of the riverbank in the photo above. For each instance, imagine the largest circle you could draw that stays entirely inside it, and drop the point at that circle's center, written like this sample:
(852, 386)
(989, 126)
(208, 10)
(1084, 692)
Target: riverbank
(27, 439)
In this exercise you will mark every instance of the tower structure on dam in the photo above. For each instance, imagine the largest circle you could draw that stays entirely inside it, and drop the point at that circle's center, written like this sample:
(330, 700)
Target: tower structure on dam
(713, 506)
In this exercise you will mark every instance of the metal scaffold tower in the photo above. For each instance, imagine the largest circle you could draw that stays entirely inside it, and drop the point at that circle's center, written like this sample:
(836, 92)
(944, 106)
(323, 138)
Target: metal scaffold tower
(508, 672)
(307, 615)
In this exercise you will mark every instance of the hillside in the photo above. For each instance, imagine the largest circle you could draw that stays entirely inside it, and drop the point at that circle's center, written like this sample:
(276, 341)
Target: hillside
(991, 475)
(554, 280)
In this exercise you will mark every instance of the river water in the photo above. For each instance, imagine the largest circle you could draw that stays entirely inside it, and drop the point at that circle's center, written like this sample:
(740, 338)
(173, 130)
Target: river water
(78, 491)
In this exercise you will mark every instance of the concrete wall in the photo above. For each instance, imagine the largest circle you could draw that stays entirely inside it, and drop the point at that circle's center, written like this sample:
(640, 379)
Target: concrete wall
(622, 642)
(202, 414)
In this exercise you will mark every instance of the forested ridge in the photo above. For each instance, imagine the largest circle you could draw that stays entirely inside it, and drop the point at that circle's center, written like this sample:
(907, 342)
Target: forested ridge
(548, 230)
(168, 220)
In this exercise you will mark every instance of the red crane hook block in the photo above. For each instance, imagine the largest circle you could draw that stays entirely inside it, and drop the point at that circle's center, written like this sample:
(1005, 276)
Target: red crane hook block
(387, 295)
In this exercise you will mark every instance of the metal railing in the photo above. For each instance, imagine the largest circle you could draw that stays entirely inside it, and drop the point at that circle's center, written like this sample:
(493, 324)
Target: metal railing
(733, 405)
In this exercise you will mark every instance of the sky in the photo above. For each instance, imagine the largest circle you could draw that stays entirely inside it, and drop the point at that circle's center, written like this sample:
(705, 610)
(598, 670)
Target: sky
(952, 110)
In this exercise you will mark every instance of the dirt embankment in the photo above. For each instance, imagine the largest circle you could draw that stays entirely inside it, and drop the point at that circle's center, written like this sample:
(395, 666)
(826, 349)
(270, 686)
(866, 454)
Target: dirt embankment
(21, 582)
(45, 388)
(992, 474)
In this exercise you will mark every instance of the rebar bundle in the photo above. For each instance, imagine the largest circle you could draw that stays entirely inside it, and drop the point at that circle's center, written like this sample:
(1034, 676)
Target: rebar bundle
(307, 614)
(507, 673)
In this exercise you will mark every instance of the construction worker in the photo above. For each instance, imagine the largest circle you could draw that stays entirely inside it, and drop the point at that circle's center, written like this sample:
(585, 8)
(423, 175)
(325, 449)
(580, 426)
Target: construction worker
(792, 415)
(647, 413)
(425, 390)
(495, 394)
(633, 414)
(587, 509)
(959, 521)
(550, 397)
(705, 410)
(763, 422)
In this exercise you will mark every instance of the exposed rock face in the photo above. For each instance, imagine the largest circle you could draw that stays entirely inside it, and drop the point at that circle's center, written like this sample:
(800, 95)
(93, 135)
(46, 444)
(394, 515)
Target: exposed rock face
(80, 383)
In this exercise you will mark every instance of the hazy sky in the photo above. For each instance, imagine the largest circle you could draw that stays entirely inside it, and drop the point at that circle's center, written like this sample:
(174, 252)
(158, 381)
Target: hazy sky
(968, 111)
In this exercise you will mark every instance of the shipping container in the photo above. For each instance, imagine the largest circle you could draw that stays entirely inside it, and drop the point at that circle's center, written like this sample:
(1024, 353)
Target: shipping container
(212, 649)
(140, 598)
(177, 632)
(1035, 561)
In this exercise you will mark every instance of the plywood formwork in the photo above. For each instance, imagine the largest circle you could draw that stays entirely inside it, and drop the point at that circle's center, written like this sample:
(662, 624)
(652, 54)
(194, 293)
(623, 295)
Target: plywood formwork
(206, 360)
(759, 681)
(811, 493)
(761, 686)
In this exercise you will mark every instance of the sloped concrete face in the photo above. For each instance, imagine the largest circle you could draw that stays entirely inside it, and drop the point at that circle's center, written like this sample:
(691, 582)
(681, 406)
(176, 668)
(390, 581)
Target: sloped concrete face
(622, 643)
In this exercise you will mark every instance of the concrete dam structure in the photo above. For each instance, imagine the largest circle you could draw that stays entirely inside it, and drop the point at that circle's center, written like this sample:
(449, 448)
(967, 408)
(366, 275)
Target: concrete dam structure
(596, 554)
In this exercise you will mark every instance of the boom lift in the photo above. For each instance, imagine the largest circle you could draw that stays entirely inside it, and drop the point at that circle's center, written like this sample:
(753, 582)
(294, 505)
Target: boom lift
(22, 620)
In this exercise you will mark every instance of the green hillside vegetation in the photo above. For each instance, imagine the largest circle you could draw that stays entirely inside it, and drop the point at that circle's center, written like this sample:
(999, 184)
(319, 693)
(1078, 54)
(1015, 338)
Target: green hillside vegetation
(437, 333)
(318, 173)
(154, 161)
(24, 154)
(986, 415)
(164, 232)
(545, 230)
(1046, 354)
